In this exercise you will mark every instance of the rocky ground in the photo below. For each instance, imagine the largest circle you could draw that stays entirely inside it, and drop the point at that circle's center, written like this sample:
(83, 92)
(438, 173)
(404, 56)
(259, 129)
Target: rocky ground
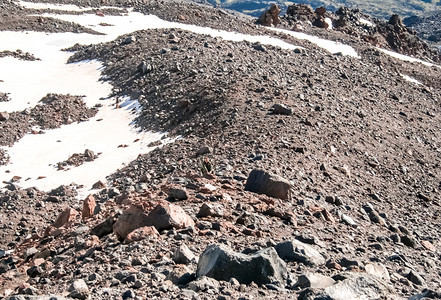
(346, 206)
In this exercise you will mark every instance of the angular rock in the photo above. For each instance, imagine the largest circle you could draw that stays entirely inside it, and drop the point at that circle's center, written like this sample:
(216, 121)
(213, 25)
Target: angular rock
(132, 218)
(79, 289)
(297, 251)
(141, 233)
(203, 283)
(221, 263)
(89, 205)
(177, 194)
(104, 228)
(314, 281)
(163, 216)
(357, 286)
(183, 255)
(4, 116)
(66, 216)
(378, 270)
(281, 109)
(270, 17)
(209, 209)
(168, 216)
(271, 185)
(416, 278)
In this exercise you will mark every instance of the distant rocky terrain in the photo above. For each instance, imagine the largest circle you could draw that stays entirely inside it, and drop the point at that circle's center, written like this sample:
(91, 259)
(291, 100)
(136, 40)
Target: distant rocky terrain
(297, 174)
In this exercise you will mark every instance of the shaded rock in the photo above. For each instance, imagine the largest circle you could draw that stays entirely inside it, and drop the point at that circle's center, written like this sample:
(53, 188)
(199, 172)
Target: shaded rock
(270, 16)
(297, 251)
(104, 228)
(4, 116)
(66, 216)
(204, 150)
(209, 209)
(221, 263)
(183, 255)
(271, 185)
(141, 233)
(314, 281)
(281, 109)
(416, 278)
(79, 289)
(89, 205)
(409, 241)
(177, 194)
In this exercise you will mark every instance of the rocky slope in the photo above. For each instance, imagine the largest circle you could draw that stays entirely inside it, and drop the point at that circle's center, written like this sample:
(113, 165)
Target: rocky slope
(298, 175)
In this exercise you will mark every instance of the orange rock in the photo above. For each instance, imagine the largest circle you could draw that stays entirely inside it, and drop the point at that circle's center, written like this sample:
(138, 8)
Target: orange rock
(141, 233)
(89, 205)
(68, 215)
(428, 245)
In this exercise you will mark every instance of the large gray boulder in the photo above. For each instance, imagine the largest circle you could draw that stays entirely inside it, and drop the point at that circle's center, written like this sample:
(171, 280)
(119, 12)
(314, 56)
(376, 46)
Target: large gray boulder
(358, 286)
(221, 263)
(297, 251)
(269, 184)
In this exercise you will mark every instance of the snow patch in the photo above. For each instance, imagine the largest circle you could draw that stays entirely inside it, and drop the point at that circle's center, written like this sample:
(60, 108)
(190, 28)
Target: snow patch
(366, 22)
(331, 46)
(63, 7)
(406, 57)
(410, 79)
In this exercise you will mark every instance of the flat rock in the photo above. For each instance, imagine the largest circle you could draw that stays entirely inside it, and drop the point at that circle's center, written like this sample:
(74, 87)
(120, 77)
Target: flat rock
(314, 281)
(297, 251)
(222, 263)
(378, 270)
(269, 184)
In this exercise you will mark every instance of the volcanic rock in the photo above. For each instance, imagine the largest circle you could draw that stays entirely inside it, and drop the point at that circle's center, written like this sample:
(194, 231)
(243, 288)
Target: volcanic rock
(271, 185)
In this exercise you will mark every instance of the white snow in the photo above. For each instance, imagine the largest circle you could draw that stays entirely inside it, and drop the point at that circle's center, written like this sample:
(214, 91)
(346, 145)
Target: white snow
(329, 22)
(64, 7)
(35, 157)
(406, 57)
(366, 22)
(331, 46)
(410, 79)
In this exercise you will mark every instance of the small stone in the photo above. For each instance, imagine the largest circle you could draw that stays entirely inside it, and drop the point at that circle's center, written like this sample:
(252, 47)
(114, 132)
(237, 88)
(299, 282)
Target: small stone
(314, 281)
(428, 245)
(177, 194)
(378, 270)
(281, 109)
(204, 150)
(79, 289)
(297, 251)
(209, 209)
(140, 234)
(183, 255)
(269, 184)
(129, 294)
(89, 205)
(68, 215)
(409, 241)
(4, 116)
(348, 220)
(416, 278)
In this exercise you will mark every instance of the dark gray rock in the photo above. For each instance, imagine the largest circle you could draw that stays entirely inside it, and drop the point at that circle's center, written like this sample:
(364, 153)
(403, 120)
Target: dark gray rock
(297, 251)
(183, 255)
(416, 278)
(262, 267)
(177, 194)
(281, 109)
(269, 184)
(104, 228)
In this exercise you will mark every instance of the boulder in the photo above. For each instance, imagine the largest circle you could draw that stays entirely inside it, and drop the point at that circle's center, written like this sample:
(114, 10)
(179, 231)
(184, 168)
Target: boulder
(270, 17)
(177, 194)
(132, 218)
(141, 233)
(316, 281)
(89, 205)
(168, 216)
(209, 209)
(4, 116)
(78, 289)
(297, 251)
(357, 286)
(269, 184)
(66, 216)
(378, 270)
(222, 263)
(183, 255)
(163, 216)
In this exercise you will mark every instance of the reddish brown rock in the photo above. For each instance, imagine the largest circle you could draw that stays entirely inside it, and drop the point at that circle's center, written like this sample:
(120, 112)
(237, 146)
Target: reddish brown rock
(141, 234)
(428, 245)
(167, 216)
(89, 205)
(271, 16)
(68, 215)
(132, 218)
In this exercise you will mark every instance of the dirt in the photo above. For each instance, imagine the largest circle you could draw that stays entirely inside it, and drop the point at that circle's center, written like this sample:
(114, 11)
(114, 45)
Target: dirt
(53, 111)
(357, 135)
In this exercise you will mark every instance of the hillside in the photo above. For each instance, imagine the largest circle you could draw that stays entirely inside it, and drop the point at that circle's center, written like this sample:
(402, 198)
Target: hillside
(382, 10)
(171, 150)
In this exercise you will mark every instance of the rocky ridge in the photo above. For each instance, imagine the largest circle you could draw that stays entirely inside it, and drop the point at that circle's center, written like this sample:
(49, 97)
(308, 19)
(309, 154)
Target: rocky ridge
(349, 145)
